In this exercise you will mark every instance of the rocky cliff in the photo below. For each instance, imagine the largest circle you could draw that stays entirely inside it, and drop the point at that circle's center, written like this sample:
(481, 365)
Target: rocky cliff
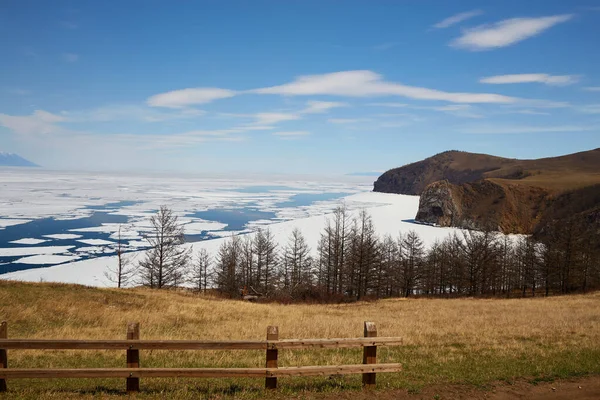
(478, 191)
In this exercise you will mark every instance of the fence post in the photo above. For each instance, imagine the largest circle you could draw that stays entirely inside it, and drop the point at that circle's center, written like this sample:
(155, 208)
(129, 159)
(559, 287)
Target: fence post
(272, 334)
(3, 356)
(133, 356)
(370, 355)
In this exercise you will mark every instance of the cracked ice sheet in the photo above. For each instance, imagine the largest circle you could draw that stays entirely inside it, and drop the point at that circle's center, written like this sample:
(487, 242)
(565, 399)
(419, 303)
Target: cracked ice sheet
(45, 259)
(63, 236)
(10, 222)
(31, 241)
(67, 195)
(96, 242)
(28, 251)
(196, 227)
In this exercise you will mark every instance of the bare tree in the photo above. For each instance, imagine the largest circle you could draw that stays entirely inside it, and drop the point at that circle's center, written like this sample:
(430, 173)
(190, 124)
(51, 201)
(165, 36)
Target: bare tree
(164, 264)
(124, 271)
(297, 263)
(413, 255)
(267, 260)
(199, 272)
(228, 263)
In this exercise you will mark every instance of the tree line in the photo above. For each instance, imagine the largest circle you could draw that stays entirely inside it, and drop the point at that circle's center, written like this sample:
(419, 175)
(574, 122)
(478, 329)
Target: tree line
(353, 262)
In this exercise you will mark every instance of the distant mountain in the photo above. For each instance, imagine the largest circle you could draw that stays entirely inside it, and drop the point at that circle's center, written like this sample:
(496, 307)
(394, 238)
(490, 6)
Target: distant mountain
(14, 160)
(480, 191)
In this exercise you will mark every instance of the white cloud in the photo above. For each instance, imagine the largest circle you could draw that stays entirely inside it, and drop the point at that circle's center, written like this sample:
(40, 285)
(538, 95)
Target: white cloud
(40, 122)
(459, 110)
(532, 112)
(592, 88)
(186, 97)
(70, 57)
(273, 118)
(395, 105)
(369, 84)
(528, 129)
(455, 19)
(591, 109)
(554, 80)
(119, 112)
(506, 32)
(316, 107)
(291, 133)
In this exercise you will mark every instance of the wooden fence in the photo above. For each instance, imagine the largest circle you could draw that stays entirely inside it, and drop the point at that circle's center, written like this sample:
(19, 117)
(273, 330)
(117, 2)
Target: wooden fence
(369, 368)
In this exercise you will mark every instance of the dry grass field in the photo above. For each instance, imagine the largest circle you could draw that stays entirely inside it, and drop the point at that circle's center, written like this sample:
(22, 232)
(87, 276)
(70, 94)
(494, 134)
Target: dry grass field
(474, 342)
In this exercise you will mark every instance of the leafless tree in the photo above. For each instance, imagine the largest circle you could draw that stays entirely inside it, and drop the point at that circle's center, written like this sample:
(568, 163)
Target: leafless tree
(296, 263)
(199, 274)
(165, 263)
(124, 271)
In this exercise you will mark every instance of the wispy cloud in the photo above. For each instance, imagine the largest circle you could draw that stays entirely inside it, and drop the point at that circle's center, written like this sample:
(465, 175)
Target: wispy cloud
(506, 32)
(395, 105)
(590, 109)
(39, 122)
(370, 84)
(318, 107)
(347, 120)
(554, 80)
(70, 57)
(455, 19)
(133, 112)
(42, 123)
(532, 112)
(269, 118)
(186, 97)
(592, 88)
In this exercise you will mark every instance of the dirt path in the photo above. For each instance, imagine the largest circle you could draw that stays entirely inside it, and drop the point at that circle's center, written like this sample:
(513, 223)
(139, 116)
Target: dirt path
(584, 389)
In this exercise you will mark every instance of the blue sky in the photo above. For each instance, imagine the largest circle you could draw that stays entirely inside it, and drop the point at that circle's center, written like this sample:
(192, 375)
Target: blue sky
(295, 86)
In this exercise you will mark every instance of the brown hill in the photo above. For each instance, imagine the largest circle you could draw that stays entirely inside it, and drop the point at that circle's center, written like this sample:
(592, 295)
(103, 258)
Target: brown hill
(556, 173)
(515, 196)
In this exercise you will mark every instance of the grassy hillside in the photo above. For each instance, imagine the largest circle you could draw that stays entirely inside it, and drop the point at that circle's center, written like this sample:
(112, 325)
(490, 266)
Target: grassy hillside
(470, 341)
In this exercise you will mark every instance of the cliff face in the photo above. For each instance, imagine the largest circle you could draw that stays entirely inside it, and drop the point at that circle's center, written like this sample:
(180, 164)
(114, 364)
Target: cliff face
(478, 191)
(440, 204)
(482, 205)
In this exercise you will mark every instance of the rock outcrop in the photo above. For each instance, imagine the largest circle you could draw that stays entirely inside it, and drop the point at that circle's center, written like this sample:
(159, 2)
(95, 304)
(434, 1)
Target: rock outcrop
(439, 205)
(477, 191)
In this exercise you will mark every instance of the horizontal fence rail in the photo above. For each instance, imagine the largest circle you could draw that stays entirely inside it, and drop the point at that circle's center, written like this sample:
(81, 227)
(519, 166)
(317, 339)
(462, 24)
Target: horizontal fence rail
(45, 344)
(369, 368)
(326, 370)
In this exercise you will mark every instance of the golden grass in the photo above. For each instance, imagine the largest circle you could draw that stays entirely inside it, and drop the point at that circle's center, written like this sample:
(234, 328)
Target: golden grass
(471, 341)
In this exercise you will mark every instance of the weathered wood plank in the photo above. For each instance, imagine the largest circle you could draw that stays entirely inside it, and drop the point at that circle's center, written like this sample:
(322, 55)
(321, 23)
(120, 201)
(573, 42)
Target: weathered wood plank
(133, 356)
(72, 344)
(68, 344)
(370, 355)
(17, 373)
(272, 335)
(3, 355)
(337, 343)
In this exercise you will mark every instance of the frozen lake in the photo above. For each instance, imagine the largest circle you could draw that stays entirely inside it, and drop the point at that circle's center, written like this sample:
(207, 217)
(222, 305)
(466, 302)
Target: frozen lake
(49, 218)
